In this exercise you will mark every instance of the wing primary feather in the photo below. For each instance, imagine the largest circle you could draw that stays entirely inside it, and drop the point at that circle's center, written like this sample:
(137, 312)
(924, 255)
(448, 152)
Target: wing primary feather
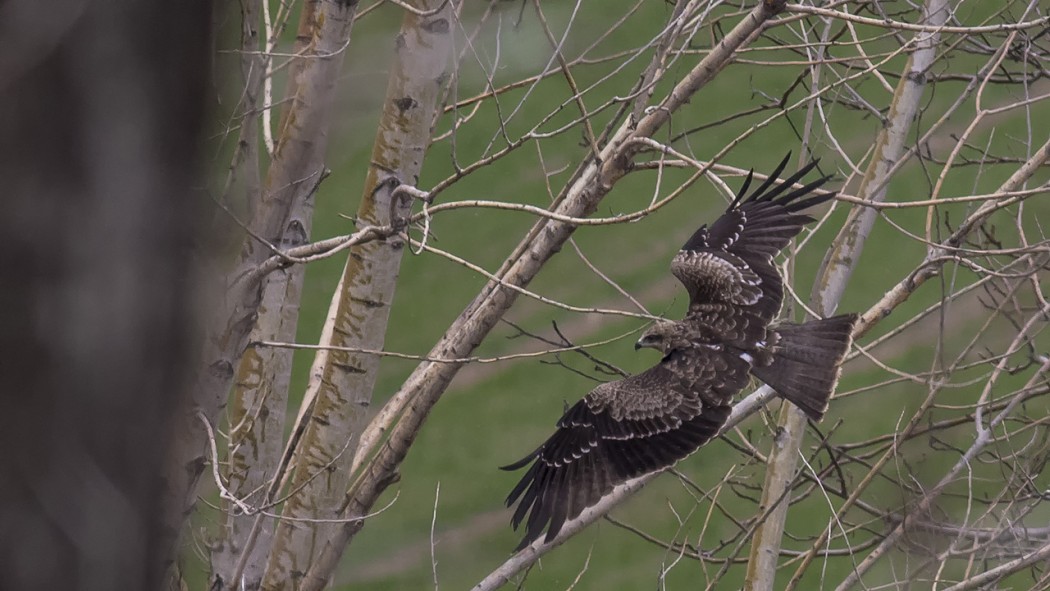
(772, 178)
(522, 462)
(787, 183)
(540, 514)
(525, 481)
(814, 200)
(743, 190)
(786, 200)
(526, 503)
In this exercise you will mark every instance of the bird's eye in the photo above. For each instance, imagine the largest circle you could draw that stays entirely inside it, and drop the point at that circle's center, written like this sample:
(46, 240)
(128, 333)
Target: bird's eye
(654, 338)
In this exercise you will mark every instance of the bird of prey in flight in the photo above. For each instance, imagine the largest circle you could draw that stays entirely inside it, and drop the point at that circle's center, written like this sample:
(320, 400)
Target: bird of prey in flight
(625, 429)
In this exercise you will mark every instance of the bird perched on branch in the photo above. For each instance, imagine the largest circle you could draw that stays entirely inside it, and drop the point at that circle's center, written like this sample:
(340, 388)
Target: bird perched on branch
(625, 429)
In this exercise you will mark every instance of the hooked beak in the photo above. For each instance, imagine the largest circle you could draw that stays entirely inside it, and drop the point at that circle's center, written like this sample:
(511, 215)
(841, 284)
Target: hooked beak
(638, 345)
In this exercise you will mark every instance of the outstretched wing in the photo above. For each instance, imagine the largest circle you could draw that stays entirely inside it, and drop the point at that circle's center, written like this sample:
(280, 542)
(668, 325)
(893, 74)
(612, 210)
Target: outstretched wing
(728, 268)
(622, 430)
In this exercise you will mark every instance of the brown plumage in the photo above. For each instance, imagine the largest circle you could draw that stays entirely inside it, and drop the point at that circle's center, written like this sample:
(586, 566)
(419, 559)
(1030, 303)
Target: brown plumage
(647, 422)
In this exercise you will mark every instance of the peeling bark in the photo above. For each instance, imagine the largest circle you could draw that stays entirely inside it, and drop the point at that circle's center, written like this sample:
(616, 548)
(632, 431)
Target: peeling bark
(257, 412)
(245, 439)
(296, 169)
(341, 383)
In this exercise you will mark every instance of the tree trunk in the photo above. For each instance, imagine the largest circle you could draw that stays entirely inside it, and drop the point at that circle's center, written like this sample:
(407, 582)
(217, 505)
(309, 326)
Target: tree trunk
(296, 170)
(341, 383)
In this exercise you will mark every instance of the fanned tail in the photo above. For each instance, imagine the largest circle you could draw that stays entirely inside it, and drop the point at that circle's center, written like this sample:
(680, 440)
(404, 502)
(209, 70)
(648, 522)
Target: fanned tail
(806, 361)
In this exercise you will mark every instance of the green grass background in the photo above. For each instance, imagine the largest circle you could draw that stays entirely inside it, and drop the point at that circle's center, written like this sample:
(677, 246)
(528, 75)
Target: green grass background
(493, 414)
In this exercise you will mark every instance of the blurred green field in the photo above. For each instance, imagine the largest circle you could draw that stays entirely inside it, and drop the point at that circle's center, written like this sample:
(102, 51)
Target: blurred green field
(494, 413)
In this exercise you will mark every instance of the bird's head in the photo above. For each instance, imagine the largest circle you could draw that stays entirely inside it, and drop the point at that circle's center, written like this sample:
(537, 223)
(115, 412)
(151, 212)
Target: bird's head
(664, 336)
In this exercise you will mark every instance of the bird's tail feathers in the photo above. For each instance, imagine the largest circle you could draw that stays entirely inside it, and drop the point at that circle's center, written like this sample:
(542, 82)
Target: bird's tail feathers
(805, 366)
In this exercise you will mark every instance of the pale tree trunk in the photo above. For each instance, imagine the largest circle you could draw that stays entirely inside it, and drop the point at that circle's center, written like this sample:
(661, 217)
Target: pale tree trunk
(244, 176)
(257, 416)
(841, 260)
(103, 105)
(341, 383)
(257, 405)
(293, 176)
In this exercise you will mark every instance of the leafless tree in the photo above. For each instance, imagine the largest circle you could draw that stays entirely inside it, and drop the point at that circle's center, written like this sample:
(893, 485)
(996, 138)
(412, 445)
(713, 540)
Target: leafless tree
(934, 116)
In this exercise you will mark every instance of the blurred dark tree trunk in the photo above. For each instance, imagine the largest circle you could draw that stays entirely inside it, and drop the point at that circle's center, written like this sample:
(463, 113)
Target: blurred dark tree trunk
(101, 106)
